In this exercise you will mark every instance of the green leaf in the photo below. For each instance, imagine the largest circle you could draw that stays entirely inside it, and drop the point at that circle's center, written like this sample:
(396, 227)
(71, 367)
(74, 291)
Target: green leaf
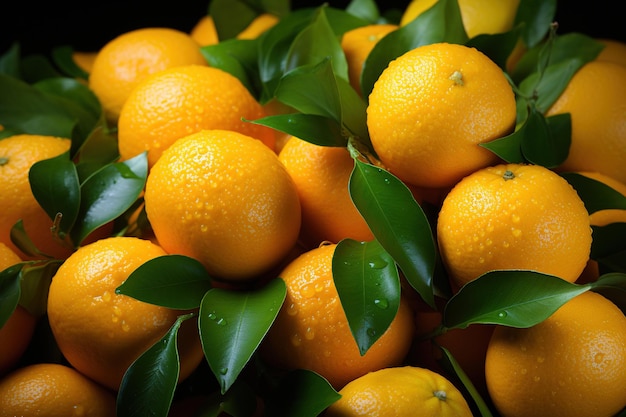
(313, 128)
(498, 47)
(238, 57)
(37, 67)
(513, 298)
(233, 324)
(10, 61)
(97, 151)
(313, 392)
(535, 16)
(108, 193)
(441, 23)
(608, 247)
(232, 16)
(20, 238)
(546, 141)
(595, 194)
(449, 363)
(148, 386)
(35, 283)
(509, 148)
(311, 89)
(353, 112)
(239, 401)
(9, 291)
(172, 281)
(315, 43)
(368, 285)
(397, 222)
(364, 9)
(613, 287)
(62, 57)
(54, 183)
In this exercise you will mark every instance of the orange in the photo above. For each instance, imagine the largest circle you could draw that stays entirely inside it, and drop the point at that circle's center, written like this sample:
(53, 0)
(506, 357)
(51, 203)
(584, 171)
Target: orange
(432, 107)
(225, 199)
(595, 98)
(204, 32)
(400, 392)
(312, 332)
(572, 364)
(358, 43)
(613, 51)
(321, 174)
(479, 16)
(513, 216)
(53, 390)
(17, 155)
(130, 57)
(84, 59)
(180, 101)
(17, 331)
(258, 26)
(100, 332)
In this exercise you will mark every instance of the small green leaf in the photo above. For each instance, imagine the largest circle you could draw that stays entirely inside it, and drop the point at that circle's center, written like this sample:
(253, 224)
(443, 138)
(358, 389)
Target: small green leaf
(238, 57)
(108, 193)
(612, 286)
(233, 324)
(35, 283)
(595, 194)
(98, 150)
(509, 148)
(498, 47)
(449, 363)
(315, 43)
(172, 281)
(62, 57)
(239, 401)
(510, 298)
(546, 141)
(316, 129)
(9, 291)
(10, 61)
(54, 183)
(397, 222)
(232, 16)
(364, 9)
(368, 285)
(535, 16)
(608, 247)
(440, 23)
(20, 238)
(313, 392)
(148, 386)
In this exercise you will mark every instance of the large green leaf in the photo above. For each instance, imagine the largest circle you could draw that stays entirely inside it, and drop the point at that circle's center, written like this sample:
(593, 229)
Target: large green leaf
(546, 140)
(513, 298)
(233, 324)
(368, 285)
(172, 281)
(233, 16)
(535, 18)
(97, 151)
(313, 128)
(9, 291)
(35, 283)
(148, 386)
(595, 194)
(55, 186)
(397, 222)
(301, 393)
(441, 23)
(63, 58)
(108, 193)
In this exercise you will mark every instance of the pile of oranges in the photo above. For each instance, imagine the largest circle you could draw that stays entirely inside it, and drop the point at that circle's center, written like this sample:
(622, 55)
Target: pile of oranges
(317, 212)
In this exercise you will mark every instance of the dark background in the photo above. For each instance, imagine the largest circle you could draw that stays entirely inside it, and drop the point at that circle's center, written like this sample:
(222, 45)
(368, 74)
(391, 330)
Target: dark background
(88, 25)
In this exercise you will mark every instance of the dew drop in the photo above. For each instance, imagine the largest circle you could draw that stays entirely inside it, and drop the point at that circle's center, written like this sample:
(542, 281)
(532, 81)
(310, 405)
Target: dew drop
(223, 371)
(502, 314)
(540, 359)
(221, 321)
(377, 263)
(212, 316)
(78, 410)
(524, 371)
(204, 228)
(292, 310)
(125, 326)
(309, 334)
(381, 303)
(599, 358)
(536, 378)
(308, 291)
(106, 296)
(515, 218)
(296, 340)
(371, 332)
(387, 181)
(516, 232)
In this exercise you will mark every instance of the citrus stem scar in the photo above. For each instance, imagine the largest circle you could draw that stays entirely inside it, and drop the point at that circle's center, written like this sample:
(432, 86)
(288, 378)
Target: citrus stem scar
(4, 160)
(457, 77)
(508, 175)
(441, 395)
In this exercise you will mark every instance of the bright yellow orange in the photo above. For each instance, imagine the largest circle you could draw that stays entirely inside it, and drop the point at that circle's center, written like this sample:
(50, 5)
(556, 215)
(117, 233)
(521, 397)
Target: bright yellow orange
(258, 26)
(18, 330)
(100, 332)
(595, 98)
(17, 155)
(180, 101)
(400, 392)
(357, 45)
(321, 175)
(312, 332)
(479, 16)
(573, 364)
(432, 107)
(513, 216)
(226, 200)
(53, 390)
(613, 51)
(204, 32)
(130, 57)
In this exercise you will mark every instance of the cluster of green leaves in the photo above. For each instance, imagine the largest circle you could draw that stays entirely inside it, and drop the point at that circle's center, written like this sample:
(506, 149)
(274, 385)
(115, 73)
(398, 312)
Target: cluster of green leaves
(300, 64)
